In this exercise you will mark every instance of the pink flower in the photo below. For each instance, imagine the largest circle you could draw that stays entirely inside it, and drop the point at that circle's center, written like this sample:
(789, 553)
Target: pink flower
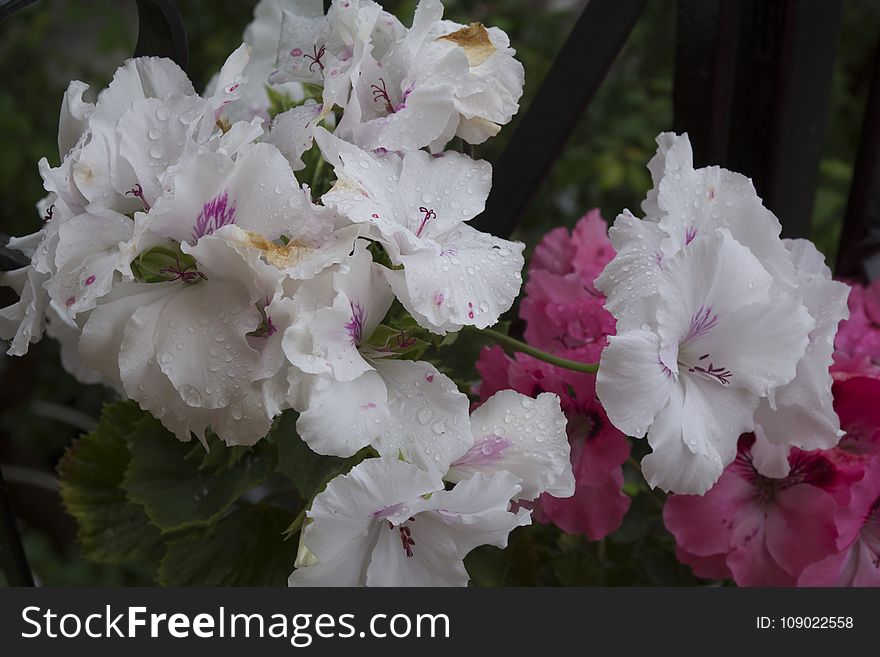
(598, 449)
(563, 311)
(763, 531)
(859, 336)
(858, 518)
(858, 526)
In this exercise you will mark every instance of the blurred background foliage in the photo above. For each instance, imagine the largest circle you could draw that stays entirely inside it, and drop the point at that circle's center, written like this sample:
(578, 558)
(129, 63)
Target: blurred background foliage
(42, 408)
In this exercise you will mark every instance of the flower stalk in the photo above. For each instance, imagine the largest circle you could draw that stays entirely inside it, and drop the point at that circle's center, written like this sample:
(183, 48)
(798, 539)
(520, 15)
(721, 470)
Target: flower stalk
(517, 345)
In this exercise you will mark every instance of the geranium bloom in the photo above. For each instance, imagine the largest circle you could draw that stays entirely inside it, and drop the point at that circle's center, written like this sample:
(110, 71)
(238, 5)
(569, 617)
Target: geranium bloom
(759, 530)
(440, 80)
(723, 336)
(354, 395)
(685, 211)
(389, 523)
(564, 312)
(262, 35)
(417, 205)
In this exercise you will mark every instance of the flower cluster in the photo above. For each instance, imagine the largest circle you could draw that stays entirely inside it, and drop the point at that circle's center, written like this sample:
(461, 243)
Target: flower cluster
(565, 316)
(722, 327)
(182, 262)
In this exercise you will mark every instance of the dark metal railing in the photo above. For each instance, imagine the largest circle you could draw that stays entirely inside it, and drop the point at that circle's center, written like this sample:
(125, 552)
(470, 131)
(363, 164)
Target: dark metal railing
(752, 89)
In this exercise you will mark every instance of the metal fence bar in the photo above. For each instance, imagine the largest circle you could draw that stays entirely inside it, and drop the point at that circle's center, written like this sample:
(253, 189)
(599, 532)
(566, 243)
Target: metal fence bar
(707, 35)
(859, 253)
(577, 72)
(12, 554)
(781, 100)
(161, 32)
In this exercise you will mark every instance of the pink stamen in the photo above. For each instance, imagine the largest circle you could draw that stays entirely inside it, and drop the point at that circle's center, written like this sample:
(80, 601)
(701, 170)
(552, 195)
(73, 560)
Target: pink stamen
(316, 58)
(138, 192)
(429, 214)
(381, 93)
(50, 211)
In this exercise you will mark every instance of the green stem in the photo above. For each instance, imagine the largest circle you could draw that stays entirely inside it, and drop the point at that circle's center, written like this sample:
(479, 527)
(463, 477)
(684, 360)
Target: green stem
(517, 345)
(316, 177)
(295, 526)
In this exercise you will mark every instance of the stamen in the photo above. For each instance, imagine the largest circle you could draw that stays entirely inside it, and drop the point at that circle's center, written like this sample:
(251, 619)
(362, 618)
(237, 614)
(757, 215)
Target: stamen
(381, 93)
(50, 212)
(184, 274)
(138, 192)
(406, 540)
(429, 214)
(316, 58)
(722, 374)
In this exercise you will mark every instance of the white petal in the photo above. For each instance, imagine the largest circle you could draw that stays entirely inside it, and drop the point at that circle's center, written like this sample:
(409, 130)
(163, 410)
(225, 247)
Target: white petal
(523, 436)
(632, 383)
(429, 422)
(672, 466)
(292, 132)
(201, 343)
(339, 418)
(471, 282)
(770, 459)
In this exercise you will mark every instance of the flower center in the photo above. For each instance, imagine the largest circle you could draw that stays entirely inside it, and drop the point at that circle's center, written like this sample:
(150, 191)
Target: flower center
(703, 321)
(406, 540)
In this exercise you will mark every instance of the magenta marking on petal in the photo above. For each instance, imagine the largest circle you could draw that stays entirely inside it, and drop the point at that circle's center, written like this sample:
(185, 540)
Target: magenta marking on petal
(355, 326)
(90, 280)
(438, 298)
(70, 301)
(270, 327)
(702, 322)
(690, 234)
(388, 511)
(486, 451)
(368, 406)
(215, 214)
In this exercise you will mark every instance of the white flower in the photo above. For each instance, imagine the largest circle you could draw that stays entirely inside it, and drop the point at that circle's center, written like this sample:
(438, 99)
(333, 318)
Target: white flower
(202, 350)
(328, 50)
(262, 35)
(523, 436)
(724, 335)
(416, 205)
(353, 395)
(388, 523)
(440, 80)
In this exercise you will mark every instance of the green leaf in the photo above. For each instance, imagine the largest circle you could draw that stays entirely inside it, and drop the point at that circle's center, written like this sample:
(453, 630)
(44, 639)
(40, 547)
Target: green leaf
(309, 472)
(244, 548)
(179, 488)
(163, 263)
(112, 529)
